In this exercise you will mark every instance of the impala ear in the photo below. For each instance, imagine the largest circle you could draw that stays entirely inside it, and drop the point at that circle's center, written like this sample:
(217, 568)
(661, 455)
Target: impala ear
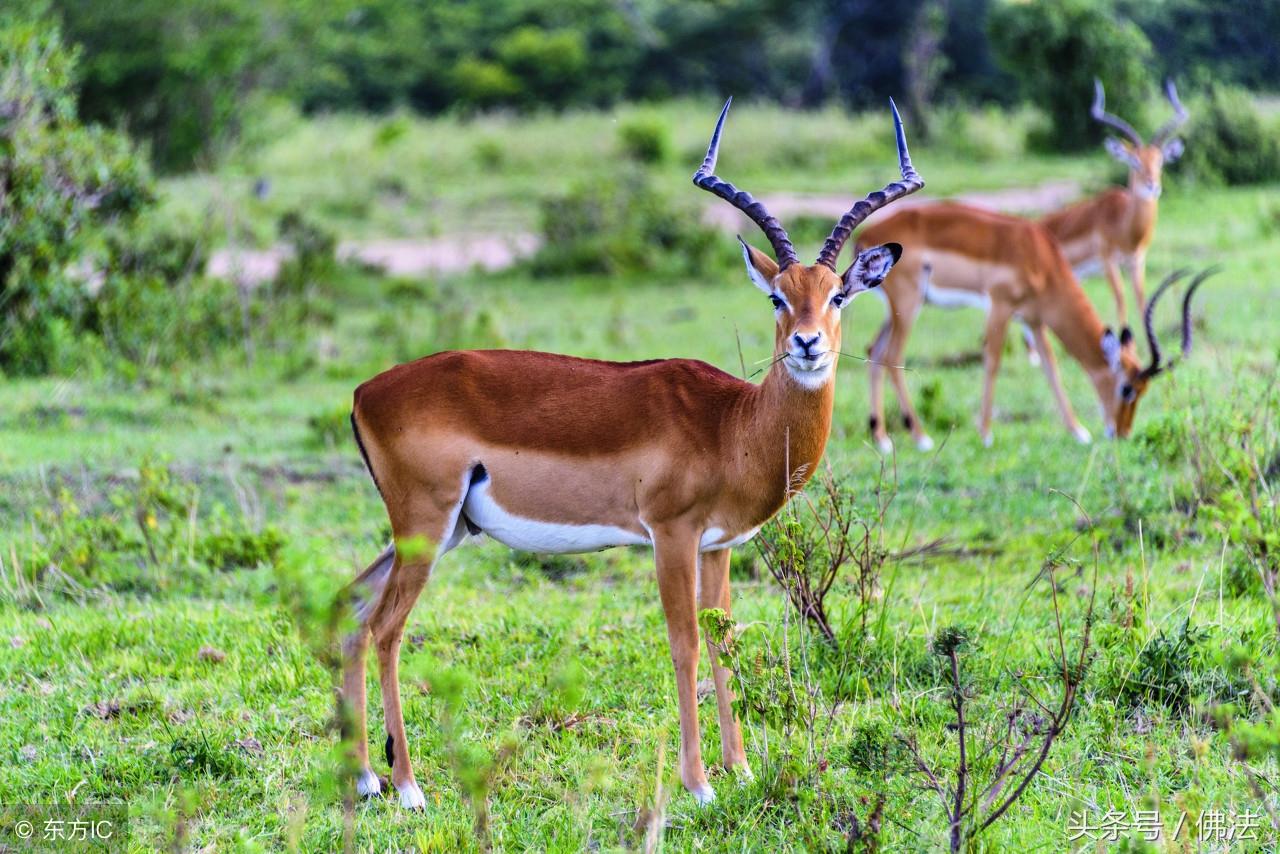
(1172, 150)
(1122, 152)
(761, 269)
(870, 267)
(1111, 350)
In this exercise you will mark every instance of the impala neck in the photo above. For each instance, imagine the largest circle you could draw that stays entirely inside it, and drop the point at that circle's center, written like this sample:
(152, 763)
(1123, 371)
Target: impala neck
(1077, 325)
(785, 430)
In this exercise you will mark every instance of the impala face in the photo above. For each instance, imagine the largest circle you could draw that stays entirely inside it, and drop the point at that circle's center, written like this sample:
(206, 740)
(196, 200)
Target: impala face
(1146, 163)
(1124, 386)
(807, 305)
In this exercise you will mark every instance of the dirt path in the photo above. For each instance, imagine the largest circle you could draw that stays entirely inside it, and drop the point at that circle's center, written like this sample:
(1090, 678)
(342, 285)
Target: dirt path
(412, 257)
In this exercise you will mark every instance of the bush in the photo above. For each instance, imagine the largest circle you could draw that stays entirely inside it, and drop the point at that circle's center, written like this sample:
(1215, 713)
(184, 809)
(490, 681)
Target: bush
(64, 182)
(621, 223)
(1056, 50)
(1228, 142)
(644, 139)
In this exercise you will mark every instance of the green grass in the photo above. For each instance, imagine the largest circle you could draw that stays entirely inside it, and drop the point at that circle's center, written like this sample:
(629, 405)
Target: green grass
(516, 635)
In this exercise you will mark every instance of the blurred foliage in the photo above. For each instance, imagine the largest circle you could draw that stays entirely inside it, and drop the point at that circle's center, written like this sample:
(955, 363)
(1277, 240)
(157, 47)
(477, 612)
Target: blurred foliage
(1055, 50)
(619, 223)
(1229, 142)
(63, 181)
(180, 74)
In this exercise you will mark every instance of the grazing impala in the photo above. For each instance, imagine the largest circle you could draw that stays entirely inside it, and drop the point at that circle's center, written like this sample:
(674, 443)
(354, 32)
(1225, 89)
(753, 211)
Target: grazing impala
(1115, 227)
(551, 453)
(956, 255)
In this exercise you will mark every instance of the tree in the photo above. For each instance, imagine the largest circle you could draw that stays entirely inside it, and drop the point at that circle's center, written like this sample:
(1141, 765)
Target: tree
(1056, 49)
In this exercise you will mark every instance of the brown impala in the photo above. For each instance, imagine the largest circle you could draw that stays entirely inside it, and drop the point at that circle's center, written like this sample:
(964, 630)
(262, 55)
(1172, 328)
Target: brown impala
(1115, 227)
(551, 453)
(956, 255)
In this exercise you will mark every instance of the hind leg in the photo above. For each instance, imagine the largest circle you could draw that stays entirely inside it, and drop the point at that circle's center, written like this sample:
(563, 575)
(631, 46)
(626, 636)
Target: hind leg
(363, 593)
(893, 356)
(432, 523)
(875, 372)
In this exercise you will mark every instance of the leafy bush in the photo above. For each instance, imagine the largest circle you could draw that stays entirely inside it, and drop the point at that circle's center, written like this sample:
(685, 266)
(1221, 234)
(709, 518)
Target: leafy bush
(621, 223)
(1055, 50)
(1229, 142)
(644, 139)
(63, 182)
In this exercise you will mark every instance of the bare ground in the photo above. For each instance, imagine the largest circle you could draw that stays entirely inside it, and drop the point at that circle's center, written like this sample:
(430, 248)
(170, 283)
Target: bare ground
(457, 253)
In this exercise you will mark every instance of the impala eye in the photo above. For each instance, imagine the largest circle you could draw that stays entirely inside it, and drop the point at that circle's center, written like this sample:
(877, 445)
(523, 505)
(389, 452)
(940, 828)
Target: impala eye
(776, 300)
(838, 300)
(1126, 393)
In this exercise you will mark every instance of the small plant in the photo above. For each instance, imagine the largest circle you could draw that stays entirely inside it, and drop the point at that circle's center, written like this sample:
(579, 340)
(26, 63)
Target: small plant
(1014, 741)
(808, 546)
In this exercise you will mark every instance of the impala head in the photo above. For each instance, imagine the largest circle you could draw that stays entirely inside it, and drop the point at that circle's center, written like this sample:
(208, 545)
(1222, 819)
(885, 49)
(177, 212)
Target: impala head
(1145, 160)
(1127, 379)
(807, 301)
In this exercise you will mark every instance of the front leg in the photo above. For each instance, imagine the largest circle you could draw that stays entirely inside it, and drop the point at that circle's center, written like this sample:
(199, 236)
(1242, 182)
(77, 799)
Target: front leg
(1112, 269)
(714, 593)
(676, 555)
(1138, 278)
(992, 350)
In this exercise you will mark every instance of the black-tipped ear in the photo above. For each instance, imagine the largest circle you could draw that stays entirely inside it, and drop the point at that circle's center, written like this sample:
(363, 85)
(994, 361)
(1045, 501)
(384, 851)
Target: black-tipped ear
(1126, 337)
(1111, 349)
(870, 267)
(761, 269)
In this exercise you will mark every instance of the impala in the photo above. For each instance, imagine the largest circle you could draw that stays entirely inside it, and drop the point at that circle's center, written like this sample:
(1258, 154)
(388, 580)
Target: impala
(956, 255)
(1115, 228)
(551, 453)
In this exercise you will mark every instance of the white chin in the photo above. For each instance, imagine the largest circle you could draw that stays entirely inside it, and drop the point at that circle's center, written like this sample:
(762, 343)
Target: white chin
(811, 379)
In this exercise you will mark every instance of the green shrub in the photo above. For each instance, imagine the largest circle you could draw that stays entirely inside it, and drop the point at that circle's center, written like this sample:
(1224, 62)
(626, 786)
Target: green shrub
(1229, 142)
(63, 183)
(620, 223)
(1055, 50)
(644, 139)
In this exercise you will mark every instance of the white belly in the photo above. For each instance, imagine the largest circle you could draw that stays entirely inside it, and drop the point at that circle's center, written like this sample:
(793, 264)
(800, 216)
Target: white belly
(533, 535)
(957, 298)
(714, 539)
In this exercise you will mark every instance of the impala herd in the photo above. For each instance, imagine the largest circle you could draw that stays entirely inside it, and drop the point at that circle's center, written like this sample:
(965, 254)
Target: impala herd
(550, 453)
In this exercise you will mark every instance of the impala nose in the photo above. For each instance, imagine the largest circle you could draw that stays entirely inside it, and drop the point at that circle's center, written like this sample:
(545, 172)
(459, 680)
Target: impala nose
(805, 344)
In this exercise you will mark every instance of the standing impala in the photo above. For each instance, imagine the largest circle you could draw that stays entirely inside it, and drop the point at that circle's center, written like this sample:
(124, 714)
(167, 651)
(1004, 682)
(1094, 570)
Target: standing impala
(550, 453)
(1115, 227)
(956, 255)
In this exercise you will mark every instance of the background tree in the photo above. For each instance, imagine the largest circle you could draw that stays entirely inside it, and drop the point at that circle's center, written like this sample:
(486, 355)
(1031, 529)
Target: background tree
(1055, 50)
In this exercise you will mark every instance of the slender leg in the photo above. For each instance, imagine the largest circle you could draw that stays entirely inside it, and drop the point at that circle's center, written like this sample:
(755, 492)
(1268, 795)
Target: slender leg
(713, 592)
(364, 592)
(433, 519)
(875, 370)
(1055, 382)
(897, 346)
(676, 556)
(1138, 278)
(1033, 353)
(993, 348)
(1117, 286)
(387, 625)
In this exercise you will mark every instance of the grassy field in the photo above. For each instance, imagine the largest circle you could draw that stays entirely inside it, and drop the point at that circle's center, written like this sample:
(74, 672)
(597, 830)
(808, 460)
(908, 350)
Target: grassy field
(177, 662)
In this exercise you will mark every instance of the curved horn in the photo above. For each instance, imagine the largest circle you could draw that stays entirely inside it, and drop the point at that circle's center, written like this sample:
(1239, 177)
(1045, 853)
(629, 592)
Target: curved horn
(1148, 323)
(1180, 115)
(1186, 306)
(1100, 114)
(742, 200)
(911, 181)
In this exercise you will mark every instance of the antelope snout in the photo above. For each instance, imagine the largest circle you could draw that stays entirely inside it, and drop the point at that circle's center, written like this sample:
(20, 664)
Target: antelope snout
(807, 346)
